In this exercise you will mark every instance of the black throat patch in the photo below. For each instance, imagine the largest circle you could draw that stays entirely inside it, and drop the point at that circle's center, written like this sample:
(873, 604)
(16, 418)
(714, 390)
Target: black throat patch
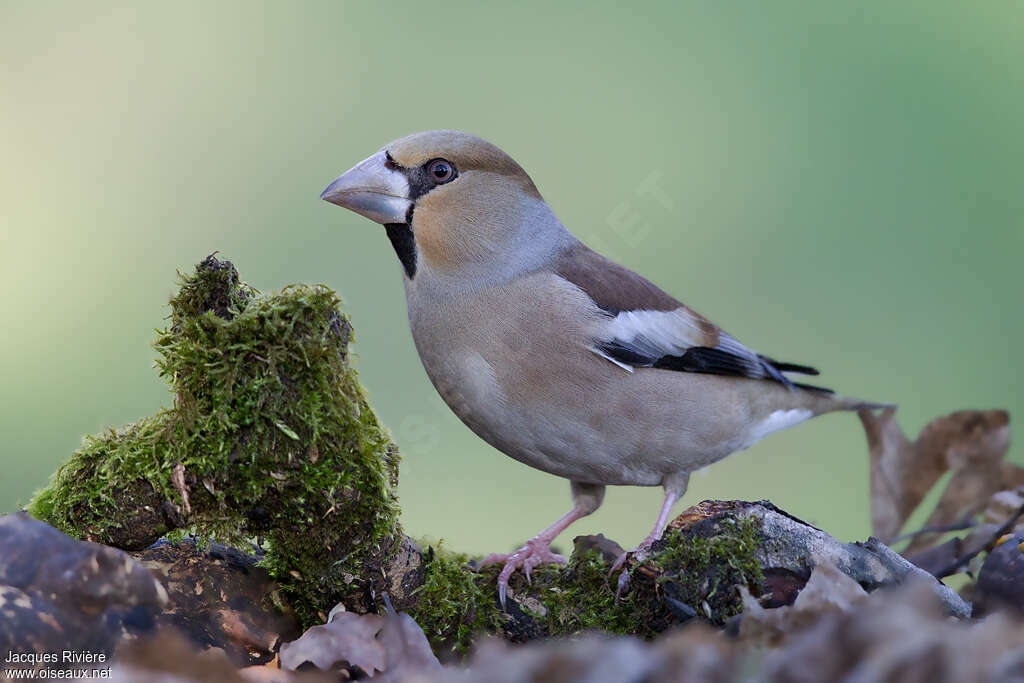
(404, 244)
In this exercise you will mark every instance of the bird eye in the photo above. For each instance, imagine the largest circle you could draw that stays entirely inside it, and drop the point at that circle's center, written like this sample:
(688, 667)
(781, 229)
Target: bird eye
(441, 170)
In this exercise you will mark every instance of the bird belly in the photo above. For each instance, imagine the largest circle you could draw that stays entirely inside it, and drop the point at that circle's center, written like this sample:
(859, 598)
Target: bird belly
(542, 436)
(576, 435)
(529, 384)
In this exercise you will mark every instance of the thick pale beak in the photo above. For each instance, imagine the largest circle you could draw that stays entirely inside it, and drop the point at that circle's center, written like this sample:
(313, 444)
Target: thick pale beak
(373, 190)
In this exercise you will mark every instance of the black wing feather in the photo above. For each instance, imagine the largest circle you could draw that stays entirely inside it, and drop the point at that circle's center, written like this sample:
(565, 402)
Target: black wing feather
(712, 361)
(790, 367)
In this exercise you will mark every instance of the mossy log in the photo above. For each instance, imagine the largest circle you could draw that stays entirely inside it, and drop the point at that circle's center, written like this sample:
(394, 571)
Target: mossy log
(270, 437)
(694, 573)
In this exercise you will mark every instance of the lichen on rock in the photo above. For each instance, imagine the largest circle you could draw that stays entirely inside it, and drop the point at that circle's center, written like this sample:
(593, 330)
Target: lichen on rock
(270, 437)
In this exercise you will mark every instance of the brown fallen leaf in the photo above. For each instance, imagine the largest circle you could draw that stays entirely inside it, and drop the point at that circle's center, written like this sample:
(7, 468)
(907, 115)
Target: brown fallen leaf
(972, 443)
(387, 648)
(409, 656)
(828, 590)
(1002, 505)
(969, 493)
(347, 640)
(898, 635)
(593, 657)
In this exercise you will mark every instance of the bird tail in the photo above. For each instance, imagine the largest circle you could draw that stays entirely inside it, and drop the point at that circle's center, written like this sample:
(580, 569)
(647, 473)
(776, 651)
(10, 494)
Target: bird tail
(850, 403)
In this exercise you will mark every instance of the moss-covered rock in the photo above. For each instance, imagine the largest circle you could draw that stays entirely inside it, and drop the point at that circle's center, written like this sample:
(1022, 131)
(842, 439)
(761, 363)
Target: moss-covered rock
(702, 568)
(270, 436)
(455, 604)
(694, 572)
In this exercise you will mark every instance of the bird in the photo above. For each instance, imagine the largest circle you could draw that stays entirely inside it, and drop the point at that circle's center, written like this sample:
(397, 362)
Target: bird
(554, 354)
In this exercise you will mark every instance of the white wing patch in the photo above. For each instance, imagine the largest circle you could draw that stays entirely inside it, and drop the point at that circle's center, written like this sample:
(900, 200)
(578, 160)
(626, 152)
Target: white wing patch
(651, 335)
(654, 333)
(777, 421)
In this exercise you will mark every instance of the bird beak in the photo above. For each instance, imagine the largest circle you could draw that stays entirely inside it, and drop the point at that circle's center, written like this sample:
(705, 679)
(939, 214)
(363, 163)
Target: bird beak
(373, 190)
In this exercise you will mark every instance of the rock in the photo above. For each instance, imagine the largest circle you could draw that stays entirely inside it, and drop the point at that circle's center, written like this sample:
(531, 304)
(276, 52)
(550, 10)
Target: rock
(59, 594)
(795, 547)
(695, 572)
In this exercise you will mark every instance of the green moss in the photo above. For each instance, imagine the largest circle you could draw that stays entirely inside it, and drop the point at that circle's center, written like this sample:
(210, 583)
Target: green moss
(111, 487)
(581, 597)
(703, 570)
(700, 567)
(274, 433)
(455, 604)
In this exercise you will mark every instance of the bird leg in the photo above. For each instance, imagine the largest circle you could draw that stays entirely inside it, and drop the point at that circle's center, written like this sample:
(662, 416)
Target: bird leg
(673, 492)
(586, 499)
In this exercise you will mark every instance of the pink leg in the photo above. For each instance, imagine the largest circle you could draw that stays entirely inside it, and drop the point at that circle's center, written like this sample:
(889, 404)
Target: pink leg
(674, 490)
(586, 499)
(536, 551)
(655, 535)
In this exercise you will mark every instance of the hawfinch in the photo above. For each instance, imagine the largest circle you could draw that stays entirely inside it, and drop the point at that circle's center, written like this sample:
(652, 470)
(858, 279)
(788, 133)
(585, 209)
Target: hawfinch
(556, 356)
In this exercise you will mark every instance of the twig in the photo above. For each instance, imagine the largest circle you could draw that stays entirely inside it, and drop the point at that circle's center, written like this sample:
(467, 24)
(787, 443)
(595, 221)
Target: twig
(999, 533)
(966, 523)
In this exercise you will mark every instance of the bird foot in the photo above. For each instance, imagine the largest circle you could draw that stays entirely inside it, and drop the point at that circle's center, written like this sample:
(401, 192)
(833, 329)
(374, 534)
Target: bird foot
(639, 553)
(536, 551)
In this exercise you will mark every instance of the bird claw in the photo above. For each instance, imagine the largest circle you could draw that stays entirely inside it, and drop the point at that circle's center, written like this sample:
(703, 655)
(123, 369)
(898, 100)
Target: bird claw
(535, 552)
(619, 562)
(639, 553)
(622, 584)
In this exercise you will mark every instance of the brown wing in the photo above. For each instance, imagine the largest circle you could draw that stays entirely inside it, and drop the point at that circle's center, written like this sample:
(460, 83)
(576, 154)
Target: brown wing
(646, 327)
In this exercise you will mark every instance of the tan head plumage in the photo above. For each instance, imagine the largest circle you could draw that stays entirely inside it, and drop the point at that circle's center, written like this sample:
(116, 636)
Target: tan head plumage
(468, 220)
(467, 152)
(454, 205)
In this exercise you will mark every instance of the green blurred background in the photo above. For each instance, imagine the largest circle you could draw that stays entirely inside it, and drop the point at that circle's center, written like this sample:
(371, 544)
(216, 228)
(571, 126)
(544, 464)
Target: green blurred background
(843, 187)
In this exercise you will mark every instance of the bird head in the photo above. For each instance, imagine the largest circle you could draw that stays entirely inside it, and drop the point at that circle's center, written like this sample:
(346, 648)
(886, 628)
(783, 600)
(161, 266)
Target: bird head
(453, 204)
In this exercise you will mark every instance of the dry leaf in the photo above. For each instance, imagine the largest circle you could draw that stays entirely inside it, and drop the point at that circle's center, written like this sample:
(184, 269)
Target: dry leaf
(387, 648)
(828, 590)
(347, 639)
(970, 442)
(899, 635)
(1003, 505)
(592, 658)
(408, 652)
(969, 492)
